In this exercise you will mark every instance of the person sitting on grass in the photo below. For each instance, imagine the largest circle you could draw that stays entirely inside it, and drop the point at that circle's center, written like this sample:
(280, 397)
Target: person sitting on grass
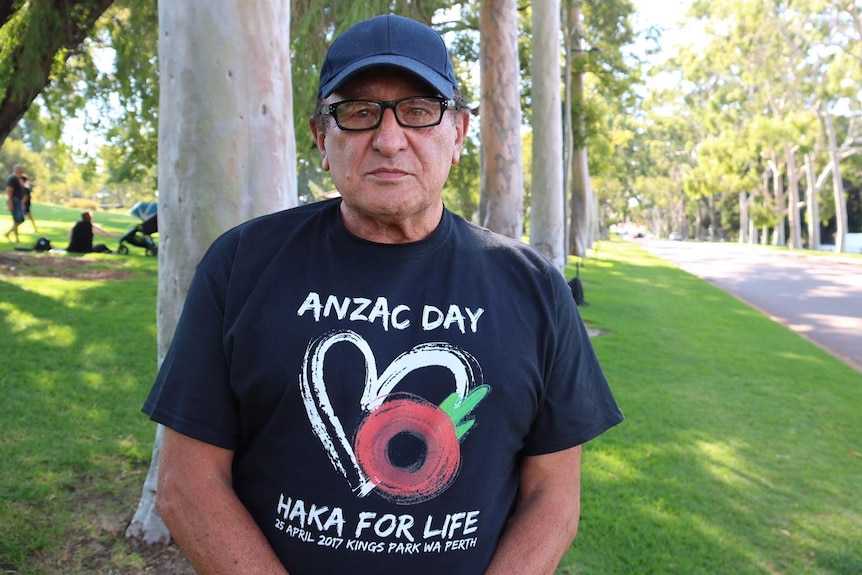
(81, 236)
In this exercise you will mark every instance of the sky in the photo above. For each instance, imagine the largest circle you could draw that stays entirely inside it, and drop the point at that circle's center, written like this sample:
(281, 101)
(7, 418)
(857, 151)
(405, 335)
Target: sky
(665, 13)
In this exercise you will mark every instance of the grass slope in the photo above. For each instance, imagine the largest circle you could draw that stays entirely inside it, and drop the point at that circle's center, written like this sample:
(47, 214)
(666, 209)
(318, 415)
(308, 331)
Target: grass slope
(741, 449)
(77, 358)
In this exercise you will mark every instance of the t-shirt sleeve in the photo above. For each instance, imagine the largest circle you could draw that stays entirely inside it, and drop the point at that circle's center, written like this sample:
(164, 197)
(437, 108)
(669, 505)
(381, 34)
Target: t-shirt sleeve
(192, 393)
(578, 404)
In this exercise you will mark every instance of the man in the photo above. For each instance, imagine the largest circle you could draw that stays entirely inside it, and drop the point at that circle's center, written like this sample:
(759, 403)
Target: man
(371, 384)
(82, 233)
(14, 196)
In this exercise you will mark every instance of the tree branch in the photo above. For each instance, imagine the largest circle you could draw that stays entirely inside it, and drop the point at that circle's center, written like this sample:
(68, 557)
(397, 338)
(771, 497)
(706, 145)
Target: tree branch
(54, 28)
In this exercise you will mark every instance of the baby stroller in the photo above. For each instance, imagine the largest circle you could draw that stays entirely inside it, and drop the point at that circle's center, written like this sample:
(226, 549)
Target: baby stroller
(139, 236)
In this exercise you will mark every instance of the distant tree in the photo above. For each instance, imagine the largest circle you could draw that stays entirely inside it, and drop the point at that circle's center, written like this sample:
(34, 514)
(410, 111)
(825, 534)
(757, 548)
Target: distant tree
(598, 77)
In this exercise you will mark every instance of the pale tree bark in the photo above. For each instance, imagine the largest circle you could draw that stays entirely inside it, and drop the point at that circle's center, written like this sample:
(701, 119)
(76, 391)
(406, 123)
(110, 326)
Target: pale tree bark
(812, 201)
(793, 214)
(713, 217)
(680, 220)
(502, 182)
(568, 118)
(547, 203)
(780, 197)
(764, 193)
(744, 216)
(582, 201)
(837, 183)
(226, 149)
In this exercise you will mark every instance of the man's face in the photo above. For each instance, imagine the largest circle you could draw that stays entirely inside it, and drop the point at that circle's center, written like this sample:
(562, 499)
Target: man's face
(390, 175)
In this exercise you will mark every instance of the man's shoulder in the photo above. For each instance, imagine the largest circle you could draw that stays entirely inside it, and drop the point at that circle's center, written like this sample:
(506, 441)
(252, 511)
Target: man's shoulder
(271, 232)
(489, 241)
(284, 219)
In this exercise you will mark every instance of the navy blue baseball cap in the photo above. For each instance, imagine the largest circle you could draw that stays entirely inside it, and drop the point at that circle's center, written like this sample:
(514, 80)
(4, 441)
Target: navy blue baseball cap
(389, 40)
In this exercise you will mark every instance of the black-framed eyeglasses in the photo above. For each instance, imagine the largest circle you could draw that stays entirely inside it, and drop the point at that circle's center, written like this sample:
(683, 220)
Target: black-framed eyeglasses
(413, 112)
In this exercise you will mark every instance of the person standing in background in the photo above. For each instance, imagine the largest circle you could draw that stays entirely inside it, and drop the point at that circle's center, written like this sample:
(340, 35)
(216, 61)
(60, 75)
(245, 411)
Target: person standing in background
(15, 192)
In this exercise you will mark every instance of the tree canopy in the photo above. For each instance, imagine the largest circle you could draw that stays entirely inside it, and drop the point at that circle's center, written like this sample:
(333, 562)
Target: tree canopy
(722, 149)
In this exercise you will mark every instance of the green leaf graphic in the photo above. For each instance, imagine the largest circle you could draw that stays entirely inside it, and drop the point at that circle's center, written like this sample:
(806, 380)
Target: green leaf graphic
(459, 410)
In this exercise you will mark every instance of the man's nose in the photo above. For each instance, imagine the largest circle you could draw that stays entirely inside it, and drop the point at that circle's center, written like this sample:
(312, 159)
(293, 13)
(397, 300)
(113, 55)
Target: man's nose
(389, 136)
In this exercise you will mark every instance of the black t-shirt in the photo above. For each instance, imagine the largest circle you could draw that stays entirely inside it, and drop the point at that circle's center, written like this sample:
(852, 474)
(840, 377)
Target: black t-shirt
(82, 238)
(379, 398)
(14, 182)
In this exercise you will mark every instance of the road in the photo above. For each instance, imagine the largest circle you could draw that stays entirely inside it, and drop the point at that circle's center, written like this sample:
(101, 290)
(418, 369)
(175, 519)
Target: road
(819, 297)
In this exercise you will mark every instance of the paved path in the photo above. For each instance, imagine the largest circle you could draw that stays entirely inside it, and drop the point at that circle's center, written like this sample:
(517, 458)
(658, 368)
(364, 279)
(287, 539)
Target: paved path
(819, 297)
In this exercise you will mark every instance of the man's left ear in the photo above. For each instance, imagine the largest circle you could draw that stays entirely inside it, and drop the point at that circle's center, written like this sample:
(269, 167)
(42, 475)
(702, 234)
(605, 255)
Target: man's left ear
(462, 123)
(319, 135)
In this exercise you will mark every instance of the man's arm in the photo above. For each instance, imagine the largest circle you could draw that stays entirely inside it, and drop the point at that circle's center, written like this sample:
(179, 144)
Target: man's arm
(196, 499)
(546, 517)
(9, 195)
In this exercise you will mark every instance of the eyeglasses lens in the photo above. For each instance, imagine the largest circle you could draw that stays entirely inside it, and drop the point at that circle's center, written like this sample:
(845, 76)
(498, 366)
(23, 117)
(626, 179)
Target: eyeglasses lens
(409, 112)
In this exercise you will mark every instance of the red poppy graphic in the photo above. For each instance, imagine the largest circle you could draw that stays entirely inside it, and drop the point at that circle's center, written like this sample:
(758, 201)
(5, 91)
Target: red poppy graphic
(408, 448)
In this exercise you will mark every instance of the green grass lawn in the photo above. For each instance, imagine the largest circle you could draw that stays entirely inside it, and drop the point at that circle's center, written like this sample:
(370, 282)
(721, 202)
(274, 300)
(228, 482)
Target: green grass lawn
(740, 453)
(77, 358)
(741, 449)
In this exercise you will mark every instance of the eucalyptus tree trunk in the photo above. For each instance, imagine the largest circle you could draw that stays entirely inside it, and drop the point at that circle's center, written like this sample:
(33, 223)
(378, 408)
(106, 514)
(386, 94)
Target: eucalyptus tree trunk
(502, 180)
(226, 150)
(779, 237)
(764, 193)
(793, 215)
(580, 228)
(713, 217)
(547, 212)
(837, 184)
(569, 37)
(744, 216)
(813, 202)
(680, 220)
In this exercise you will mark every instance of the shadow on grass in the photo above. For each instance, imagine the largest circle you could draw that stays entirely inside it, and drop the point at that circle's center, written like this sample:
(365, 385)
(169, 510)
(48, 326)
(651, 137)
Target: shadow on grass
(78, 359)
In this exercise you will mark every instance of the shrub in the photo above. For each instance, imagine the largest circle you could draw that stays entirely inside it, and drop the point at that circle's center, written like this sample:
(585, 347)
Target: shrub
(82, 204)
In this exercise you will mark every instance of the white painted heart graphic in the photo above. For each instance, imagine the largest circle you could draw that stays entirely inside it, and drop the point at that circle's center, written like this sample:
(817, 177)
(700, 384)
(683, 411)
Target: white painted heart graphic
(326, 423)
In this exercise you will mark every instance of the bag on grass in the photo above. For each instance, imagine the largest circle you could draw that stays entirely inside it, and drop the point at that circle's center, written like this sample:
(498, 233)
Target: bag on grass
(577, 287)
(43, 244)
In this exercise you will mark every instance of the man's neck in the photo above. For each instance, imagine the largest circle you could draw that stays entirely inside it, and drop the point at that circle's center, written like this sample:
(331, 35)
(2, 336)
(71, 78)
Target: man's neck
(395, 230)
